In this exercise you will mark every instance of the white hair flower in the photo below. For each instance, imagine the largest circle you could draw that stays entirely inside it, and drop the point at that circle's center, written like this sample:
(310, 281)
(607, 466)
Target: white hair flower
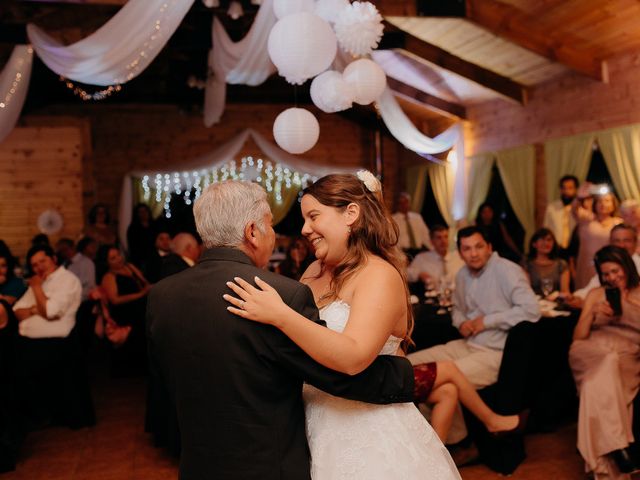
(370, 181)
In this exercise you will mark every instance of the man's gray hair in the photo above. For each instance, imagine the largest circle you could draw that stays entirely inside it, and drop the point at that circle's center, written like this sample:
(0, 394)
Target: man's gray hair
(224, 210)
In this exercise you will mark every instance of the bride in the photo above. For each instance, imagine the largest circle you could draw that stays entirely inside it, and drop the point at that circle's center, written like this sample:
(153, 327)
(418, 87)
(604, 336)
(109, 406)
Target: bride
(358, 283)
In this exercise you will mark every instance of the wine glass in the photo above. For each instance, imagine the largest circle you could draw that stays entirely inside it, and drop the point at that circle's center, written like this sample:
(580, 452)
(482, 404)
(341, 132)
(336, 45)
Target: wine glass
(546, 286)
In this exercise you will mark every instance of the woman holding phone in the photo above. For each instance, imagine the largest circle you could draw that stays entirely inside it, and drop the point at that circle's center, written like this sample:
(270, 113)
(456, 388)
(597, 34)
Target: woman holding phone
(605, 360)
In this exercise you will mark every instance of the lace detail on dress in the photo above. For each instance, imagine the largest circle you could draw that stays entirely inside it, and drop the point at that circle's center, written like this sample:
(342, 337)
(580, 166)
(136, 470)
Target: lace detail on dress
(352, 440)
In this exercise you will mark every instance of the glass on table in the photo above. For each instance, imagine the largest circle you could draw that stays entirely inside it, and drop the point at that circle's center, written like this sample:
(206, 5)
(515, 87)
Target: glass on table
(546, 286)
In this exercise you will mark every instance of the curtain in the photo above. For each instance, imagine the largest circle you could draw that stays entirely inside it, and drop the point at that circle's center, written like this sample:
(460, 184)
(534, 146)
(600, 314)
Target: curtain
(567, 156)
(479, 181)
(132, 183)
(245, 62)
(119, 50)
(407, 134)
(517, 170)
(442, 179)
(14, 82)
(416, 181)
(621, 150)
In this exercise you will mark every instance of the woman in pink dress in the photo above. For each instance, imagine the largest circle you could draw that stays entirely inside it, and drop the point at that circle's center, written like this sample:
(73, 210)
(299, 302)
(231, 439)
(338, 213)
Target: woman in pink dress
(594, 226)
(605, 360)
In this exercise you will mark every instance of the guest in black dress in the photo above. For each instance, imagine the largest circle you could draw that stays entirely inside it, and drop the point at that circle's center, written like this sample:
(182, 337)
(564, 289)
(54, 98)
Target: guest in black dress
(500, 239)
(140, 235)
(126, 290)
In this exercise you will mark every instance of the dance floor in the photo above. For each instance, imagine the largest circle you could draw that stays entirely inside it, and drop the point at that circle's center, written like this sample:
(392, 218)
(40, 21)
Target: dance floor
(118, 449)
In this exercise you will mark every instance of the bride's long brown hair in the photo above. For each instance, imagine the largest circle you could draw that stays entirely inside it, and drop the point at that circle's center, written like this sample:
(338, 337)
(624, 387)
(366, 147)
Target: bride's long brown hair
(373, 232)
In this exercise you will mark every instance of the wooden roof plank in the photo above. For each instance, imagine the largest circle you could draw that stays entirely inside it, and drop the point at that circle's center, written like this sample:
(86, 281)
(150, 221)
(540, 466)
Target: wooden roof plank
(426, 99)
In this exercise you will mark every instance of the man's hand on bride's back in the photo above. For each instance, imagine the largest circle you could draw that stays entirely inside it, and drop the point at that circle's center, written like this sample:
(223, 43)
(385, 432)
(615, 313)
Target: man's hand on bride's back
(262, 304)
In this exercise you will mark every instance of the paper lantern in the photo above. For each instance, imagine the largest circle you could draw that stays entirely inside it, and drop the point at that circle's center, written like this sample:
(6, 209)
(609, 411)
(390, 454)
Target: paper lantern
(367, 78)
(330, 93)
(296, 130)
(330, 10)
(301, 46)
(282, 8)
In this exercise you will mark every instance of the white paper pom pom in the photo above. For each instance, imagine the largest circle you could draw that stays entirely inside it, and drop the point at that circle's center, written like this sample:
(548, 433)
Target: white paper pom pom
(331, 93)
(330, 10)
(359, 28)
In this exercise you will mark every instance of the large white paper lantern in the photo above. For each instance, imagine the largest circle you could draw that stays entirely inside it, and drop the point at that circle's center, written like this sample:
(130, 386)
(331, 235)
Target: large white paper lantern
(301, 46)
(331, 93)
(296, 130)
(282, 8)
(330, 10)
(367, 78)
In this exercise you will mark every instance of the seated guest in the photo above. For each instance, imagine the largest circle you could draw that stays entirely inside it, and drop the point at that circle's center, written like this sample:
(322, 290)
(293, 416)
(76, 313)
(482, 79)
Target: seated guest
(48, 308)
(605, 359)
(185, 253)
(126, 290)
(11, 288)
(65, 249)
(297, 260)
(99, 225)
(623, 236)
(162, 248)
(82, 265)
(413, 232)
(492, 295)
(543, 263)
(438, 263)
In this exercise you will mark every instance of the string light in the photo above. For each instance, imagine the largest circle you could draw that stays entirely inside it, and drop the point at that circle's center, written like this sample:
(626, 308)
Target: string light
(86, 96)
(275, 178)
(15, 84)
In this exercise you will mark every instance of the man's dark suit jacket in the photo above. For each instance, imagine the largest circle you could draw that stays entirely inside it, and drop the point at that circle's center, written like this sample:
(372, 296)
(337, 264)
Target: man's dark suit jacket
(172, 264)
(237, 384)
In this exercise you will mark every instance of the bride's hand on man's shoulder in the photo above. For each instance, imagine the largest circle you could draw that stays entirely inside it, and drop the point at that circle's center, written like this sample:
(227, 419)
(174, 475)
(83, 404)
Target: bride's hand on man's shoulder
(262, 304)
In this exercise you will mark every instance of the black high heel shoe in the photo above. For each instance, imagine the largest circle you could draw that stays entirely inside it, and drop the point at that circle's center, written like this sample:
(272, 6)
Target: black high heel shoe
(519, 429)
(624, 460)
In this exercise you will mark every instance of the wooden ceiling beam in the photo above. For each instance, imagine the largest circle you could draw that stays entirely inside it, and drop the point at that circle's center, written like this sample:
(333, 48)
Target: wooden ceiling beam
(512, 24)
(427, 100)
(431, 53)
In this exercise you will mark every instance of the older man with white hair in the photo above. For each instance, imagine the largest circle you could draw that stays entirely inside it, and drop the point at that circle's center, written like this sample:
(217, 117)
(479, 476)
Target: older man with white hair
(237, 385)
(185, 252)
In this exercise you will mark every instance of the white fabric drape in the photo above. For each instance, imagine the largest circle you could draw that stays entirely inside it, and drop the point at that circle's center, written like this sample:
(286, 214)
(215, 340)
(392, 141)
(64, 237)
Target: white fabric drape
(621, 151)
(119, 50)
(221, 155)
(14, 83)
(479, 180)
(406, 132)
(567, 156)
(245, 62)
(442, 179)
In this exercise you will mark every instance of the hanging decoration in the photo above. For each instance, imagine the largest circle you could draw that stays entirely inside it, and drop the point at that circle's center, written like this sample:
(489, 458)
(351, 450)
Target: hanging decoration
(296, 130)
(282, 8)
(359, 28)
(86, 96)
(14, 81)
(331, 93)
(301, 46)
(330, 10)
(367, 79)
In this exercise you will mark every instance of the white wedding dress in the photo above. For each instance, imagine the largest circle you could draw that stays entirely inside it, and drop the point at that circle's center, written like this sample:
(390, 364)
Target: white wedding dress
(353, 440)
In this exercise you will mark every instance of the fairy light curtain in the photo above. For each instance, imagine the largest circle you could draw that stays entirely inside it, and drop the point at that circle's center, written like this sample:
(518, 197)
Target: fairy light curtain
(280, 173)
(119, 50)
(14, 83)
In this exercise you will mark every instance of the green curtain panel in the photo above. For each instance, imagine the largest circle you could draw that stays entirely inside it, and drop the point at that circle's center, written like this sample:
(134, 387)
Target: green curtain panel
(138, 197)
(416, 182)
(567, 156)
(442, 179)
(479, 181)
(621, 150)
(517, 171)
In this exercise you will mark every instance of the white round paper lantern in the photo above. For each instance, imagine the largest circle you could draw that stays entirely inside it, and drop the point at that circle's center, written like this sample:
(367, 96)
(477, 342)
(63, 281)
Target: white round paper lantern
(301, 46)
(367, 78)
(330, 93)
(296, 130)
(282, 8)
(330, 9)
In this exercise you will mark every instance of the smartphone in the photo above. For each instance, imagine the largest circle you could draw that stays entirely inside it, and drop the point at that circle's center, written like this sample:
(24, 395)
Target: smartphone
(613, 297)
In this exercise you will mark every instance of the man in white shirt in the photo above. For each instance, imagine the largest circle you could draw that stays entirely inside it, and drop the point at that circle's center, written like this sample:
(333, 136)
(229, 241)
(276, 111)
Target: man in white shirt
(622, 235)
(431, 266)
(48, 308)
(414, 234)
(82, 265)
(557, 216)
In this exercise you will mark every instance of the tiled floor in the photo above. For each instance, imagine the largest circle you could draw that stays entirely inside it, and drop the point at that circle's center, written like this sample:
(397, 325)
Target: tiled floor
(118, 449)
